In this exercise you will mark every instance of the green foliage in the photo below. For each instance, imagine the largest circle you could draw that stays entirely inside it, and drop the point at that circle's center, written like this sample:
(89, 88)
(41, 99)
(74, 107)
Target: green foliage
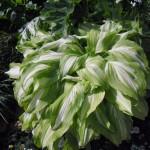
(53, 23)
(75, 88)
(15, 13)
(78, 81)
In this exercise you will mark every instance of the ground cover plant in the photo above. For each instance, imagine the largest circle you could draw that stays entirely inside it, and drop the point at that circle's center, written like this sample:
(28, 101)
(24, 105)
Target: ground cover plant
(82, 76)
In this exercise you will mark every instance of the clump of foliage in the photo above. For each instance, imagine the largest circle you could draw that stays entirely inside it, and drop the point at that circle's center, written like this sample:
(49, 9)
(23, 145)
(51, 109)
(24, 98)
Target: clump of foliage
(79, 81)
(79, 87)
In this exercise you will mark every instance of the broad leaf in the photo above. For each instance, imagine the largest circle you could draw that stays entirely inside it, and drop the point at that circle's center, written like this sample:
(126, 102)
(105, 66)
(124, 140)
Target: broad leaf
(121, 76)
(76, 88)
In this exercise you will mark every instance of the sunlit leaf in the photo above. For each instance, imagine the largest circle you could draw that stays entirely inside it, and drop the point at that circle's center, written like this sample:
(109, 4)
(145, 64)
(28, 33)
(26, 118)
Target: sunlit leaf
(75, 88)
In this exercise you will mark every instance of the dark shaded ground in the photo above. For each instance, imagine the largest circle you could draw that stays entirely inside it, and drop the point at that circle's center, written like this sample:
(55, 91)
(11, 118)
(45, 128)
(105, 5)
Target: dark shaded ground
(11, 136)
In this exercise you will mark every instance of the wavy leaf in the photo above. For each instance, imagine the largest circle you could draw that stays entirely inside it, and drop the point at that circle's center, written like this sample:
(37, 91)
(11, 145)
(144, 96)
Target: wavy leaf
(80, 86)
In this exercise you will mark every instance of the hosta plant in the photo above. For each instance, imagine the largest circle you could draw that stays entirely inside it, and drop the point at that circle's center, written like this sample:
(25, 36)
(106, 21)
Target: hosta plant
(77, 88)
